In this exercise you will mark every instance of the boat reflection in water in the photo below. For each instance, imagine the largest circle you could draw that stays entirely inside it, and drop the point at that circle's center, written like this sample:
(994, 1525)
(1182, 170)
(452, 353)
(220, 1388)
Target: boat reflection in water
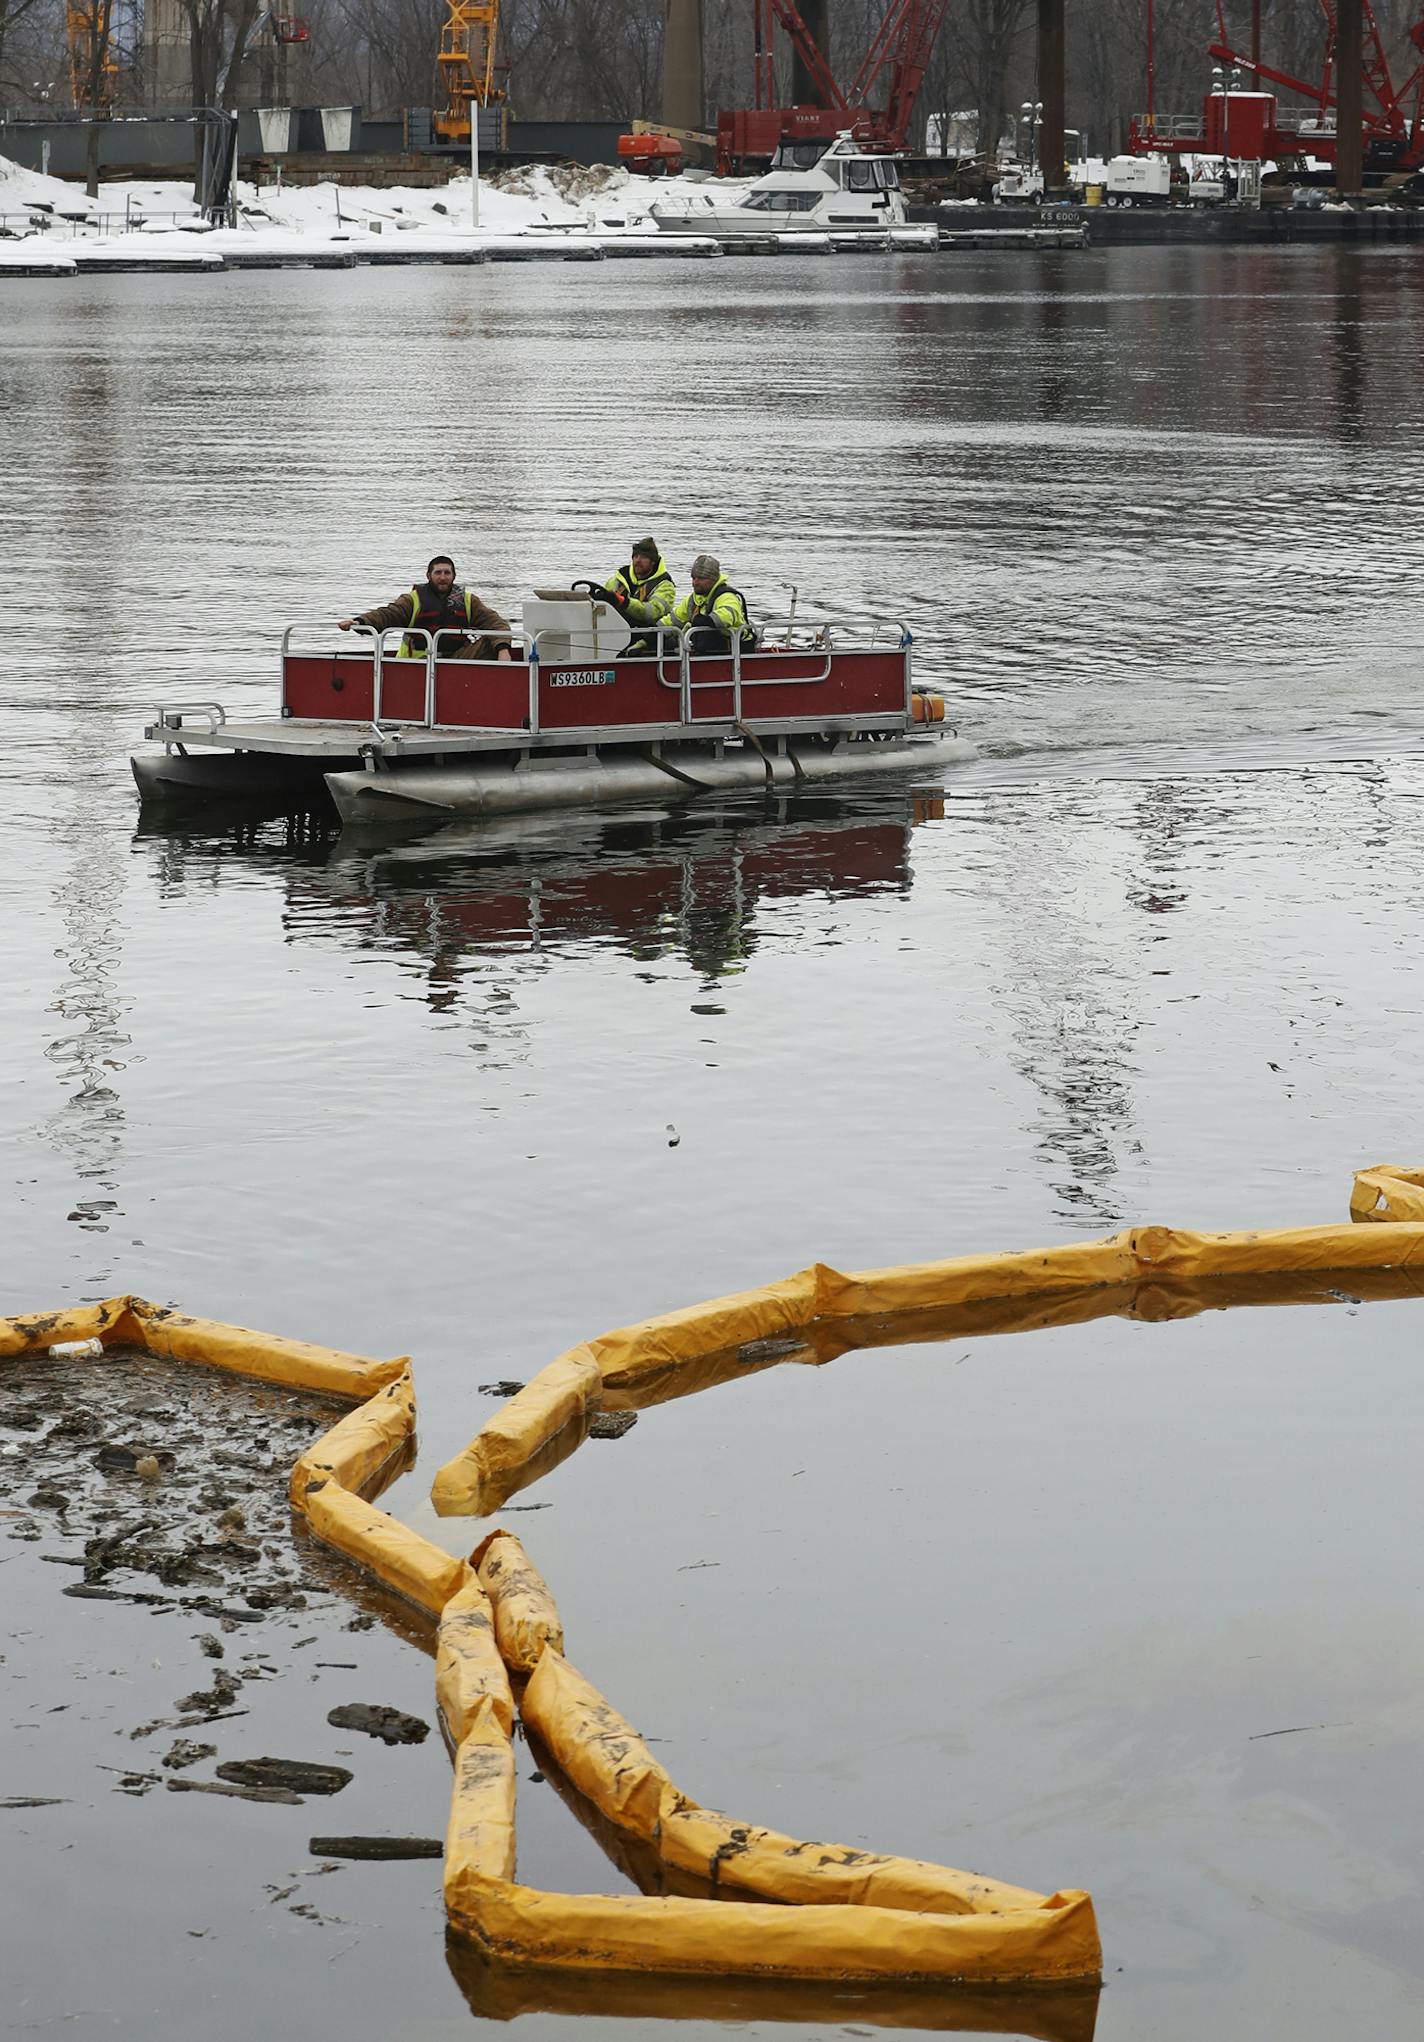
(650, 883)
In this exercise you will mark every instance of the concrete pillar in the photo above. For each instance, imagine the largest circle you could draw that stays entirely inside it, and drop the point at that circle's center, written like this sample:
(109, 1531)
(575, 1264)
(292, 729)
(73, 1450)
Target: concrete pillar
(682, 64)
(1050, 91)
(167, 62)
(1349, 106)
(817, 16)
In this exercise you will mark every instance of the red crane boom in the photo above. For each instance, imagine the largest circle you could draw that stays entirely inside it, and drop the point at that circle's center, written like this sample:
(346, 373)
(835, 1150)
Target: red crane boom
(877, 107)
(1393, 134)
(1387, 118)
(904, 43)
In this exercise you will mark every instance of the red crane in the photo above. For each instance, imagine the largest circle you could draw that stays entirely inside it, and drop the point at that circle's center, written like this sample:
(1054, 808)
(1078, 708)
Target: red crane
(1393, 133)
(877, 107)
(1388, 117)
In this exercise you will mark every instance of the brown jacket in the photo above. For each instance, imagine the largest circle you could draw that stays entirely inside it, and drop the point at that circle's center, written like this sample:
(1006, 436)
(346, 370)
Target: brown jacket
(391, 616)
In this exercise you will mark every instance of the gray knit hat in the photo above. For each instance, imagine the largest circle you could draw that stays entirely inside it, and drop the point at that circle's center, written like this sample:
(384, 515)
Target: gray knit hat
(706, 568)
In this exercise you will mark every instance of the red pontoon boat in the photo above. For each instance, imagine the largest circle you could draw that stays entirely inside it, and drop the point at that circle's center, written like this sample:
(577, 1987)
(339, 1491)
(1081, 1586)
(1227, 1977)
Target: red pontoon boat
(397, 734)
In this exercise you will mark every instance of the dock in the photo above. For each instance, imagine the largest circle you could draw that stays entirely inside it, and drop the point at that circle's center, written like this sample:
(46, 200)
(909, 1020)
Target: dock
(28, 249)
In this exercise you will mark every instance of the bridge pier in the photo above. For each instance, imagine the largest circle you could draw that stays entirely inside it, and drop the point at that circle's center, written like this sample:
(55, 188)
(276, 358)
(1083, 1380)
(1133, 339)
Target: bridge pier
(1050, 91)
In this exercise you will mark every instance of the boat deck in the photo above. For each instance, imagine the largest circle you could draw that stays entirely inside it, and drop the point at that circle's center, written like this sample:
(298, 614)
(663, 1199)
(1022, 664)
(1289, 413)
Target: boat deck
(310, 738)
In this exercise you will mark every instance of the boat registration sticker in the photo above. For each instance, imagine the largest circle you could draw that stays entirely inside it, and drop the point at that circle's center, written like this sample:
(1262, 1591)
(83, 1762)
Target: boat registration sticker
(583, 677)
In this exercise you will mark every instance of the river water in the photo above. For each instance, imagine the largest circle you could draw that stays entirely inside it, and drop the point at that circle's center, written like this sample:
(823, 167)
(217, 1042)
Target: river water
(1028, 1604)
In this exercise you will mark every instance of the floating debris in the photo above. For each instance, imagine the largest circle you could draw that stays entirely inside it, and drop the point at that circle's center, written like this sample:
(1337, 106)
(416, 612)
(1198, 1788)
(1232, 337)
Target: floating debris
(184, 1752)
(116, 1459)
(610, 1424)
(293, 1773)
(282, 1794)
(775, 1348)
(376, 1847)
(206, 1700)
(374, 1719)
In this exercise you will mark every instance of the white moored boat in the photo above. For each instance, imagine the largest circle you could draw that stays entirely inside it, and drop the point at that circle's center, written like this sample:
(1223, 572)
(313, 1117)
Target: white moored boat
(811, 188)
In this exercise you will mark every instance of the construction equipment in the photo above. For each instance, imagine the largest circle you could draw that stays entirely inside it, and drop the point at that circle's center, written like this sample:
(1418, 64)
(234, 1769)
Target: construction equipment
(1253, 126)
(653, 155)
(658, 150)
(97, 53)
(467, 67)
(876, 107)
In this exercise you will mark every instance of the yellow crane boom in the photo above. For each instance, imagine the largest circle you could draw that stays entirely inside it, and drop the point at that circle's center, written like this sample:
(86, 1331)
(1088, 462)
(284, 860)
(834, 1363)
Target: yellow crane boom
(466, 59)
(89, 31)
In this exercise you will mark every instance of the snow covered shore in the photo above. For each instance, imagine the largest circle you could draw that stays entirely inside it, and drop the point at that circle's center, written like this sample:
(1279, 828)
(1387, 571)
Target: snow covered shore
(48, 223)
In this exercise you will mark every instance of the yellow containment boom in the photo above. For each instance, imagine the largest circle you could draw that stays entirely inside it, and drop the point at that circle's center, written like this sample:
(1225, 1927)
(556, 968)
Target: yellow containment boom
(724, 1898)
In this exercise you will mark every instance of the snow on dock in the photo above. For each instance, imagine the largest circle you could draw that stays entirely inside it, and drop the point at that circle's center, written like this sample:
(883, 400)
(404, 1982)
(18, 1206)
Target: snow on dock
(49, 228)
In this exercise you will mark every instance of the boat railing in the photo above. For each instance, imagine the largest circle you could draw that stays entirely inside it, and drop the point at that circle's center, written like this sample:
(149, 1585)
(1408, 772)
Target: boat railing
(846, 634)
(817, 637)
(168, 719)
(680, 637)
(514, 639)
(429, 659)
(371, 649)
(389, 648)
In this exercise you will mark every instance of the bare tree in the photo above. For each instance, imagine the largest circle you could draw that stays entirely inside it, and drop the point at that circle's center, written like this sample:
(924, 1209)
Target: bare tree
(395, 42)
(217, 36)
(12, 13)
(90, 25)
(588, 59)
(945, 91)
(986, 33)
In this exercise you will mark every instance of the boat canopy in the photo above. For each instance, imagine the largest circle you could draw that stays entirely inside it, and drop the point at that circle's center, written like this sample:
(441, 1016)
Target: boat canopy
(834, 172)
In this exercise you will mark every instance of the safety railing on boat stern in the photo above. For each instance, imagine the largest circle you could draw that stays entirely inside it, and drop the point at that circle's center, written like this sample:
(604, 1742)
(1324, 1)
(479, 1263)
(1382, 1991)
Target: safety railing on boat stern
(169, 725)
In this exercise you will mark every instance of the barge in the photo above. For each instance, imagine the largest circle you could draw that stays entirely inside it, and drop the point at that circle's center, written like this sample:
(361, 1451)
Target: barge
(396, 733)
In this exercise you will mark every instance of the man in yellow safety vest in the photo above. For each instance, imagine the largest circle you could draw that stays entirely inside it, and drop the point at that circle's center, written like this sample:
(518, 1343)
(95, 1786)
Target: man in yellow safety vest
(715, 614)
(644, 594)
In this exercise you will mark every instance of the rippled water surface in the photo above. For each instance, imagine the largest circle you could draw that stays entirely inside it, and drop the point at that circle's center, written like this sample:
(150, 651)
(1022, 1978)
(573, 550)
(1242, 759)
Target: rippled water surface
(1030, 1603)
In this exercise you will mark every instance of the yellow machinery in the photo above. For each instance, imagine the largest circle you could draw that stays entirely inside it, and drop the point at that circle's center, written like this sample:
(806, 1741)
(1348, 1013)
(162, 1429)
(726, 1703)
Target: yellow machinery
(467, 65)
(93, 61)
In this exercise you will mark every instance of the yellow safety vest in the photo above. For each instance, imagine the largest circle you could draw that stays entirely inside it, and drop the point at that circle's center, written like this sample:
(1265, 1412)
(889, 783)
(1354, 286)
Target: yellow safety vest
(409, 649)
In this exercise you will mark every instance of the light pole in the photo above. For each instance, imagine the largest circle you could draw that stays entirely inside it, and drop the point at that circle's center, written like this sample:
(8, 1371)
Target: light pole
(1218, 86)
(42, 93)
(475, 165)
(1030, 118)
